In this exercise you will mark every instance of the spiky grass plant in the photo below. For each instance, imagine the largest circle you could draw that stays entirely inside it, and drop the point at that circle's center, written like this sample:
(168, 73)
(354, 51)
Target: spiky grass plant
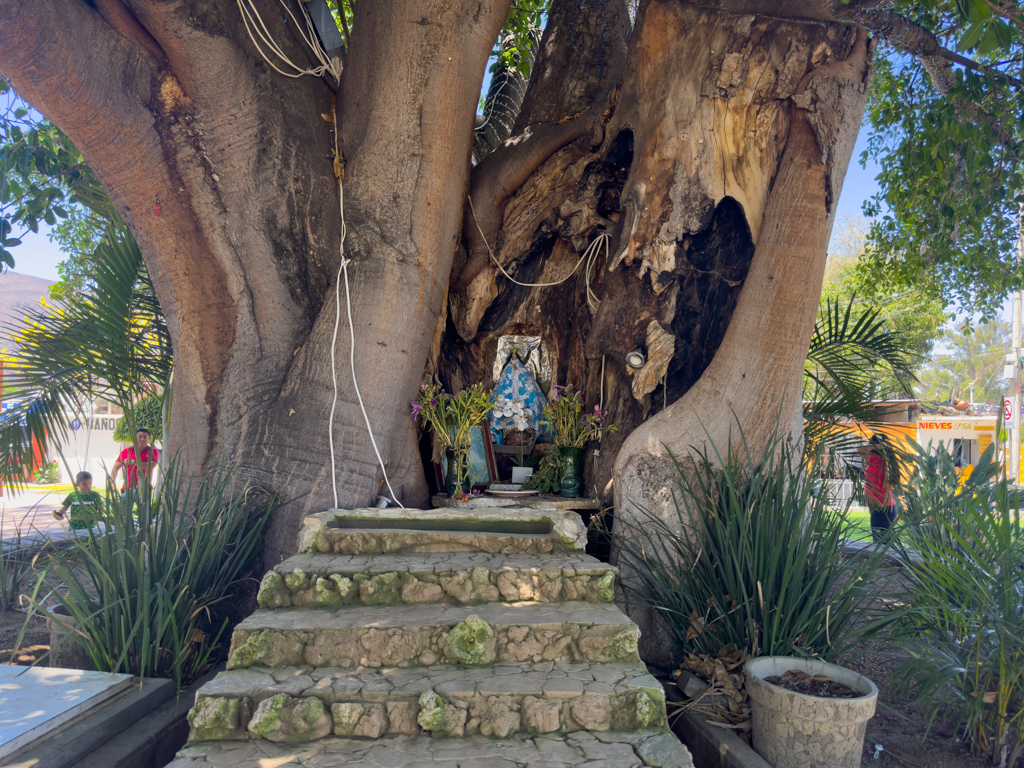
(142, 597)
(19, 555)
(963, 620)
(752, 556)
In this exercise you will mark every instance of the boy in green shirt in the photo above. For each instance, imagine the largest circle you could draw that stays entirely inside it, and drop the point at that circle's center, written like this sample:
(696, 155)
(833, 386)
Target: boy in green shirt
(83, 503)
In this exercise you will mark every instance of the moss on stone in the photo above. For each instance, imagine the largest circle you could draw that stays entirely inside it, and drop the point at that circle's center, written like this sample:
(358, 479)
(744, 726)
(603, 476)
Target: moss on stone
(432, 713)
(382, 589)
(319, 544)
(644, 710)
(307, 720)
(343, 585)
(346, 717)
(297, 581)
(471, 641)
(623, 646)
(255, 649)
(216, 718)
(606, 588)
(273, 591)
(267, 720)
(325, 595)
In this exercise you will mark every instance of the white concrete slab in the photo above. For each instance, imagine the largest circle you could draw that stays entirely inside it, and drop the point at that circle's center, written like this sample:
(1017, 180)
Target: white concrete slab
(35, 701)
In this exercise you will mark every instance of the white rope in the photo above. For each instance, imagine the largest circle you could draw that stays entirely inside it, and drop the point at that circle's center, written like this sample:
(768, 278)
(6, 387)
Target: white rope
(589, 256)
(253, 21)
(343, 271)
(250, 16)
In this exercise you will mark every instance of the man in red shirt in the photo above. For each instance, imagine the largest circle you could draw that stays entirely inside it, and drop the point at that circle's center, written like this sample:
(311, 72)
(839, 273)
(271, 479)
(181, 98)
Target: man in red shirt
(878, 493)
(130, 462)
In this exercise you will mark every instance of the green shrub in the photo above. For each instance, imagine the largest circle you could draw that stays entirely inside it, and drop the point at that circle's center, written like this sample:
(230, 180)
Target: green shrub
(963, 620)
(547, 478)
(159, 580)
(48, 473)
(752, 557)
(145, 413)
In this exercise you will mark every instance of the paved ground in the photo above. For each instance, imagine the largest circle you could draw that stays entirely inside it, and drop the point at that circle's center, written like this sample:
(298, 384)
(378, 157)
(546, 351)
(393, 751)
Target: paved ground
(31, 512)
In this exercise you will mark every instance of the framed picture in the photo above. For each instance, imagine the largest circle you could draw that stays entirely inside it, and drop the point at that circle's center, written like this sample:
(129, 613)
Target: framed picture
(482, 467)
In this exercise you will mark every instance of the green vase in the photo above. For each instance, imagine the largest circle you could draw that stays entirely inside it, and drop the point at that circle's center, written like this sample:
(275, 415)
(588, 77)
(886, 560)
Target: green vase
(572, 472)
(451, 475)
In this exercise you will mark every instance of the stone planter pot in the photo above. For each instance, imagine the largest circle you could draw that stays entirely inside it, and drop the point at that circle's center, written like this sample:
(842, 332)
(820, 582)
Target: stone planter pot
(65, 652)
(793, 730)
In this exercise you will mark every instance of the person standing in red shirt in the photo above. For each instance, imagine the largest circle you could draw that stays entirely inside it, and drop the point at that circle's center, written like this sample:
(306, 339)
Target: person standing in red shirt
(130, 462)
(878, 493)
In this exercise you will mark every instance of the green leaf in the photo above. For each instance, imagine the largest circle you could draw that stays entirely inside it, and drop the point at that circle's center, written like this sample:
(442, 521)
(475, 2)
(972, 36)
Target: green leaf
(971, 38)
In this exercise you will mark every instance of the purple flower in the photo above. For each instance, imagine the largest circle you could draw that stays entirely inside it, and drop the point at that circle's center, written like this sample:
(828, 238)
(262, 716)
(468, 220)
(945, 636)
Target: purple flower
(433, 401)
(416, 408)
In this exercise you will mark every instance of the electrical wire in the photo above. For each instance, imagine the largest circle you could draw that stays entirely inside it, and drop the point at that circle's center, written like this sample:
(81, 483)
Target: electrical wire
(253, 21)
(589, 255)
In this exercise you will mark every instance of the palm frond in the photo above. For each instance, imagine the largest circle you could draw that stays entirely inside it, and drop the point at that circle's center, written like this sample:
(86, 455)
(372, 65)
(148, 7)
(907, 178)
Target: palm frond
(112, 343)
(848, 349)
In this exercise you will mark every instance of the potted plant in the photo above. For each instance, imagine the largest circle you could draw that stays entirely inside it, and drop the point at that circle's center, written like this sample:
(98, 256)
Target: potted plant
(452, 418)
(573, 430)
(807, 713)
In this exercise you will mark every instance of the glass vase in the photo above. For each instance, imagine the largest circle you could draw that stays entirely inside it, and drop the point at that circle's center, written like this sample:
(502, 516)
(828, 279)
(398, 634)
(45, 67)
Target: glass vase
(456, 477)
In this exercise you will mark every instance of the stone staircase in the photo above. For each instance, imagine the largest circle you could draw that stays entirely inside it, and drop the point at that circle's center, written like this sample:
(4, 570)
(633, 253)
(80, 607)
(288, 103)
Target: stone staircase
(400, 638)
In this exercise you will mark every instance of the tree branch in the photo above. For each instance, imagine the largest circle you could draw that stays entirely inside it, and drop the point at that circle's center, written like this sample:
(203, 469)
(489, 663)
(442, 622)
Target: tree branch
(43, 55)
(582, 56)
(909, 36)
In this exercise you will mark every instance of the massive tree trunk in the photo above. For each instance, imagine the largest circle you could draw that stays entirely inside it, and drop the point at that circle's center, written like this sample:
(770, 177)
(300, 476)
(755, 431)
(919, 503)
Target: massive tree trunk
(171, 103)
(708, 140)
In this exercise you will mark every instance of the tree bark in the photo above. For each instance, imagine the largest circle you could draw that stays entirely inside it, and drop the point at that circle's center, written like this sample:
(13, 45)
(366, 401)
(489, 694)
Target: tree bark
(773, 128)
(245, 250)
(709, 142)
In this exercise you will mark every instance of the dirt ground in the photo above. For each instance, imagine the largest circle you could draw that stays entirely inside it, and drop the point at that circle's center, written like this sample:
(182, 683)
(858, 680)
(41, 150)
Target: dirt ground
(901, 728)
(898, 725)
(34, 644)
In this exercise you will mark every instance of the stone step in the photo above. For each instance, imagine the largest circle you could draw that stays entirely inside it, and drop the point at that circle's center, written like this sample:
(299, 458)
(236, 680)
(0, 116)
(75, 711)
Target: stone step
(330, 581)
(409, 635)
(444, 700)
(654, 747)
(381, 531)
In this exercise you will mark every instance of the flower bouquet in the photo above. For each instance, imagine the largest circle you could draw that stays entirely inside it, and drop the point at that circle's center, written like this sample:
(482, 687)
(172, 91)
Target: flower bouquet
(565, 416)
(573, 430)
(451, 418)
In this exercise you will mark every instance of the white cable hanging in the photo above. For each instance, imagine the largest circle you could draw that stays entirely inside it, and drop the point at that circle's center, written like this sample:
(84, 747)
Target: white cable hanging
(253, 21)
(250, 16)
(589, 256)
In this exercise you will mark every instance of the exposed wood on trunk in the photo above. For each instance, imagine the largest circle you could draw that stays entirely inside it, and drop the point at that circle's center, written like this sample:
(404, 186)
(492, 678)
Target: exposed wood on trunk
(581, 58)
(755, 376)
(660, 347)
